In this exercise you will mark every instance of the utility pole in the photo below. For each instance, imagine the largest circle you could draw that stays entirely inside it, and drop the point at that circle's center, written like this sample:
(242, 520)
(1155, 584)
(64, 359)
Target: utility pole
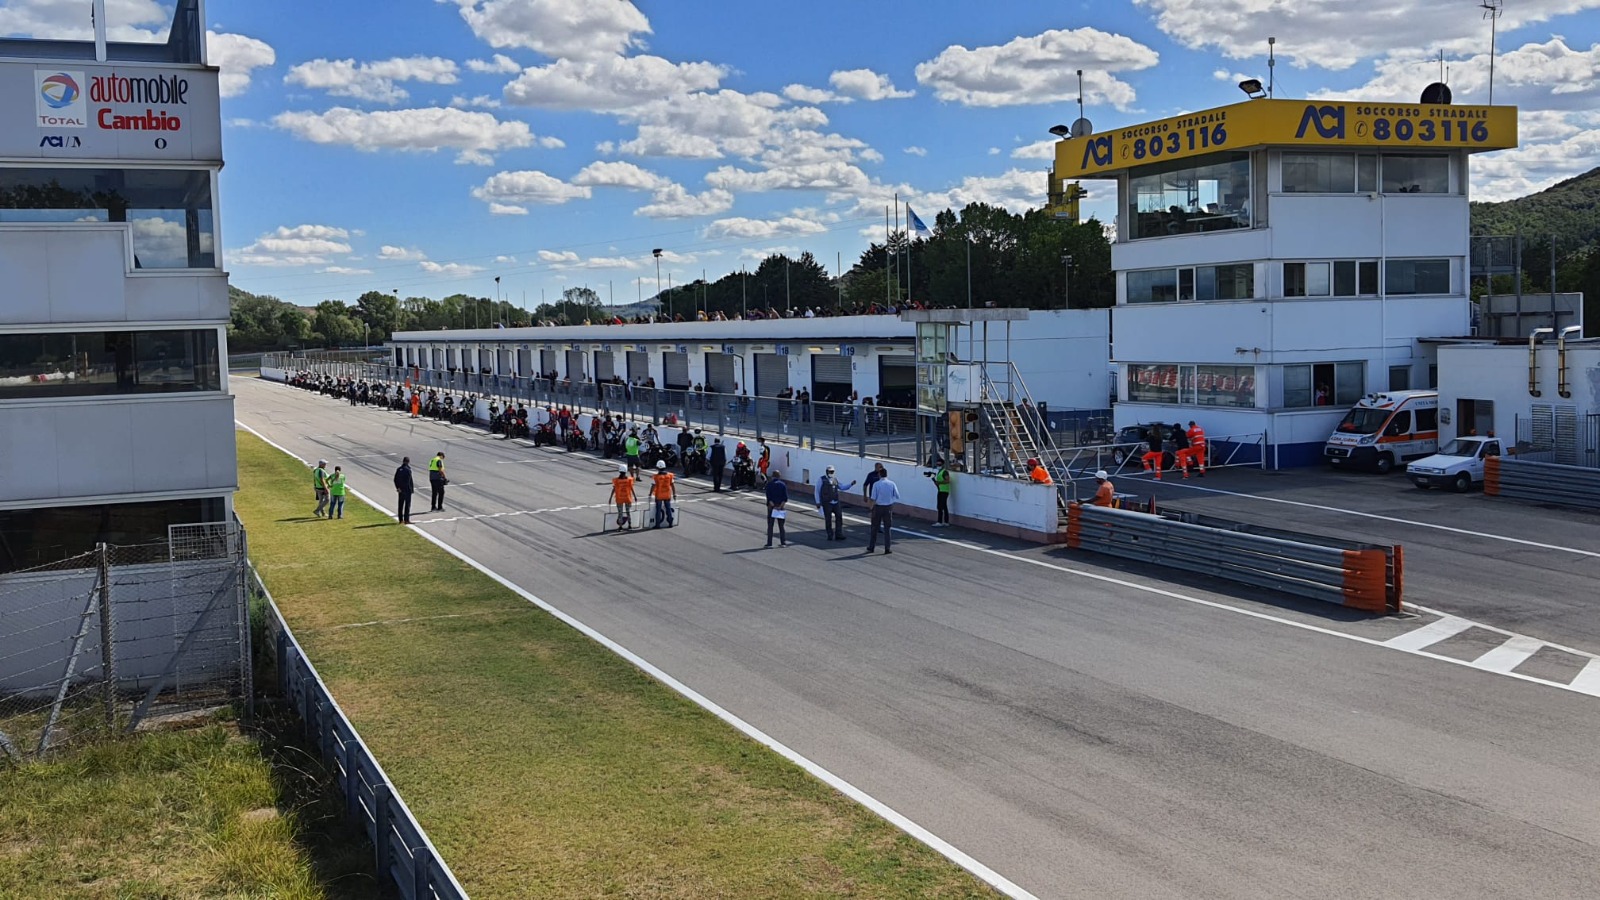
(657, 253)
(787, 308)
(1066, 276)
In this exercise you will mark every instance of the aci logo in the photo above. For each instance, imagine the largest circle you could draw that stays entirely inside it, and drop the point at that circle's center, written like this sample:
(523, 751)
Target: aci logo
(59, 100)
(1328, 120)
(1097, 152)
(61, 142)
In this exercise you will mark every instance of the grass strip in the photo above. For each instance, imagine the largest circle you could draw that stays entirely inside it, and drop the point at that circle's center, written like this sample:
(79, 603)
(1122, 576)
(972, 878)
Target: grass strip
(541, 764)
(198, 812)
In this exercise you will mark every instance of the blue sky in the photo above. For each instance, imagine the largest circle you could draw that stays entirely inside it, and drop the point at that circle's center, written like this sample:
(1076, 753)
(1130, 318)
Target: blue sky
(431, 146)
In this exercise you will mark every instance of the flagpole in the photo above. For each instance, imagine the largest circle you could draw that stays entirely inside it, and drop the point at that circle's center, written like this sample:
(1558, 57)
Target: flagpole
(886, 234)
(897, 253)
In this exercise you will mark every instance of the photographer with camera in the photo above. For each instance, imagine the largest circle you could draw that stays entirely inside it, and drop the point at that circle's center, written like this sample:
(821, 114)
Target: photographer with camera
(941, 481)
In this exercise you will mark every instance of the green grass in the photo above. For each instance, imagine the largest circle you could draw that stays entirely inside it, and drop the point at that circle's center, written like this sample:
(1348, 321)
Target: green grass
(540, 763)
(200, 812)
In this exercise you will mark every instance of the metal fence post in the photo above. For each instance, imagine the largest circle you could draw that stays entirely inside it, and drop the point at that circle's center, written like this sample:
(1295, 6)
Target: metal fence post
(108, 668)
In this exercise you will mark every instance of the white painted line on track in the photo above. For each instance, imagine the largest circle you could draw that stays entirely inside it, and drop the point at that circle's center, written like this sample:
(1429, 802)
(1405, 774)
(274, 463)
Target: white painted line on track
(1432, 633)
(939, 845)
(1398, 521)
(1588, 681)
(1509, 655)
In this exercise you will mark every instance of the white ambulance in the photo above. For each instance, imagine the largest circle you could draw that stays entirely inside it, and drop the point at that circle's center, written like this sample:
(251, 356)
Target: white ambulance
(1383, 430)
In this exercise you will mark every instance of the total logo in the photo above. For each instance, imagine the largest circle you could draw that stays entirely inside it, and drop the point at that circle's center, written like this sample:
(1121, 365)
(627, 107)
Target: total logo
(59, 99)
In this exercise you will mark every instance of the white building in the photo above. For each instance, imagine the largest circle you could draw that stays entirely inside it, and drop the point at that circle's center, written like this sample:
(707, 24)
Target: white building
(1544, 400)
(1062, 355)
(115, 418)
(1278, 259)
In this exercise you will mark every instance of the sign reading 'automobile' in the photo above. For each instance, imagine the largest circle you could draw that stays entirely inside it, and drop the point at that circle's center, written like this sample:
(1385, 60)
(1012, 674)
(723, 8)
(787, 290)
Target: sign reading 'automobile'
(109, 112)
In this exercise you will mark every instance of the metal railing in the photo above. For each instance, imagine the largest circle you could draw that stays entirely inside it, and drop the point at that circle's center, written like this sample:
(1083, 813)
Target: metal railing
(405, 856)
(1541, 482)
(885, 432)
(1361, 576)
(1225, 451)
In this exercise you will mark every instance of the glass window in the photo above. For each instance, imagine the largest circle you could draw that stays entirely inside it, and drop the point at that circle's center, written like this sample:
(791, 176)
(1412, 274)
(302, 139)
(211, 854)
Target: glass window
(1355, 278)
(1417, 276)
(1152, 286)
(1153, 383)
(87, 363)
(1367, 272)
(1236, 282)
(1319, 173)
(1416, 174)
(1225, 386)
(35, 537)
(169, 209)
(1185, 285)
(1310, 279)
(1366, 173)
(1191, 196)
(1427, 420)
(1323, 384)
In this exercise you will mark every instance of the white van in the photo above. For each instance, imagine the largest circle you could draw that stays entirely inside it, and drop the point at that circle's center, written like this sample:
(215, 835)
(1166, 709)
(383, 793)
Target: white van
(1385, 429)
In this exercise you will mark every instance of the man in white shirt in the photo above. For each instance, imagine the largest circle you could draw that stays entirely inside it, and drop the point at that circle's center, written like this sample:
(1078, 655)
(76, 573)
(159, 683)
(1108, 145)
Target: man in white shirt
(884, 495)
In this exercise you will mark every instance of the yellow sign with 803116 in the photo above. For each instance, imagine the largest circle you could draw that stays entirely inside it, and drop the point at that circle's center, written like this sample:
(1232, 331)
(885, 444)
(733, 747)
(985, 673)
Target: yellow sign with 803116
(1289, 123)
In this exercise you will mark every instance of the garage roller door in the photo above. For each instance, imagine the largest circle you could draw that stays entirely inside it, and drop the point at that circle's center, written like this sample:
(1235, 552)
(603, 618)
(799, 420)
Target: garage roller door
(772, 374)
(605, 365)
(897, 380)
(575, 366)
(675, 371)
(547, 363)
(831, 378)
(524, 363)
(638, 365)
(721, 376)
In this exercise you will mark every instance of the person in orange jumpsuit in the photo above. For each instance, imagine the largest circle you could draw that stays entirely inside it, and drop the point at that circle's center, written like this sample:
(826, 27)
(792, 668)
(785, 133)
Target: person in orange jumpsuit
(1195, 453)
(663, 491)
(1038, 473)
(1153, 455)
(1104, 493)
(416, 404)
(622, 495)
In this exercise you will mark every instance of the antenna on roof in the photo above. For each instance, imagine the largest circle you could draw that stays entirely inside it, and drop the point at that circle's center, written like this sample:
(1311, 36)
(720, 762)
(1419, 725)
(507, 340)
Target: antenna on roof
(1272, 66)
(1491, 11)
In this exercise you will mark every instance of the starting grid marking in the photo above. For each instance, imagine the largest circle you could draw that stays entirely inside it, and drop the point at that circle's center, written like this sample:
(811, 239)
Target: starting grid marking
(555, 509)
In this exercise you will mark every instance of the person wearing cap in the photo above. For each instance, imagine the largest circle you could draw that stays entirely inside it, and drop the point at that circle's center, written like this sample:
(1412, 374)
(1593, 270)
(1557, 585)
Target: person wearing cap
(319, 485)
(1104, 493)
(663, 491)
(777, 500)
(622, 495)
(828, 490)
(717, 461)
(1038, 473)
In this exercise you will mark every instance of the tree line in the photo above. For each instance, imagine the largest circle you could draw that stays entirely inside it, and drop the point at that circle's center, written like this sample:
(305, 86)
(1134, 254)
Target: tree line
(984, 255)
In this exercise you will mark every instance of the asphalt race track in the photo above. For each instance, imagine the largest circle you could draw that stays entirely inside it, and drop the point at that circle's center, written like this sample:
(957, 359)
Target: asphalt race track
(1083, 727)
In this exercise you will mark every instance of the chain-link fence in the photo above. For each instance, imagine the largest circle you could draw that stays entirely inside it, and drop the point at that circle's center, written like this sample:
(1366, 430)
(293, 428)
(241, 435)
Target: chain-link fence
(103, 641)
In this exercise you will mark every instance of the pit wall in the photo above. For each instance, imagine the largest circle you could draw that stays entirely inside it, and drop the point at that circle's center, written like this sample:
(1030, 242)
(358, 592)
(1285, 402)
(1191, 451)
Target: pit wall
(1002, 506)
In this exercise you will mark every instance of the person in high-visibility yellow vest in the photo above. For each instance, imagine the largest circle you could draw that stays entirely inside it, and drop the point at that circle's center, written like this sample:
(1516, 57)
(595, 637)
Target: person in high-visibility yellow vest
(336, 492)
(437, 480)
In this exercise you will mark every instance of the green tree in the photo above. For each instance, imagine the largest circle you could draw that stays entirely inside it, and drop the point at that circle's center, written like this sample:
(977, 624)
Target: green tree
(382, 313)
(335, 325)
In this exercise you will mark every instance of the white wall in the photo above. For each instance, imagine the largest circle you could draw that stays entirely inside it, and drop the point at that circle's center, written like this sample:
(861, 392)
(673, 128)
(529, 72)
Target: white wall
(1307, 226)
(77, 274)
(1064, 356)
(1500, 373)
(98, 446)
(1240, 245)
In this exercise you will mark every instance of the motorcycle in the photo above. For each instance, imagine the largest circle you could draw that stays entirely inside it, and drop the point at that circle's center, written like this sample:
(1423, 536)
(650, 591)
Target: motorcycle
(744, 473)
(545, 435)
(694, 463)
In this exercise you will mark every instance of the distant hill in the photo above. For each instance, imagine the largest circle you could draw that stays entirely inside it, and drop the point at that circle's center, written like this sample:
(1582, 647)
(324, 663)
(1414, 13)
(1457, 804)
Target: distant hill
(1570, 210)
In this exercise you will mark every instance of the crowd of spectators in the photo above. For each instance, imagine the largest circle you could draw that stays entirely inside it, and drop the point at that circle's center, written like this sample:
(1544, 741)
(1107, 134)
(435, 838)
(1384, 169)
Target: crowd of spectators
(753, 315)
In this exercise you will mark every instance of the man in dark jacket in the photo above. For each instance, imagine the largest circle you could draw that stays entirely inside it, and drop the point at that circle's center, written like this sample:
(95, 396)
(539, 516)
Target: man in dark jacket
(718, 461)
(405, 486)
(777, 501)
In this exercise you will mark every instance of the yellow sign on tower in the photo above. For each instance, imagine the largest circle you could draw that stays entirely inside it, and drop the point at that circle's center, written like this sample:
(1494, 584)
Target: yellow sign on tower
(1304, 124)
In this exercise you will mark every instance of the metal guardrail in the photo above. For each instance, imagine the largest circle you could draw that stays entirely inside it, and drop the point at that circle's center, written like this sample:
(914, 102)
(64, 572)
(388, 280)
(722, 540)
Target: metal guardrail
(405, 857)
(1361, 576)
(1541, 482)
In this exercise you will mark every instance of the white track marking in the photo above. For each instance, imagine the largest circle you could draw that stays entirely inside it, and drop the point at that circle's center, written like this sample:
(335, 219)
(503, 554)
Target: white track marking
(1432, 633)
(1509, 655)
(1382, 518)
(1588, 681)
(944, 848)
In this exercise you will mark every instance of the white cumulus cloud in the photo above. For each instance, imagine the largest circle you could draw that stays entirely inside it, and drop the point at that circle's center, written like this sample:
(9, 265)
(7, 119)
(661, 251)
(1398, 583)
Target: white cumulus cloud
(567, 29)
(762, 229)
(1038, 69)
(865, 84)
(510, 193)
(474, 135)
(375, 81)
(500, 64)
(403, 254)
(298, 245)
(237, 56)
(609, 83)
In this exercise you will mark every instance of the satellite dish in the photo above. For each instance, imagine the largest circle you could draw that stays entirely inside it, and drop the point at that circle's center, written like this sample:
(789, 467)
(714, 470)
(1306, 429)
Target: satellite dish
(1436, 93)
(1082, 128)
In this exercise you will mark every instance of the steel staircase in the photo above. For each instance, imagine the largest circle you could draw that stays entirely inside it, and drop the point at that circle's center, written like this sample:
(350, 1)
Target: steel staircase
(1018, 441)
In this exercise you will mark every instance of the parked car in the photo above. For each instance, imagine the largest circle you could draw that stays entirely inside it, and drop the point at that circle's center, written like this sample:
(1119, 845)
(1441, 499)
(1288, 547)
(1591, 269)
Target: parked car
(1130, 440)
(1459, 464)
